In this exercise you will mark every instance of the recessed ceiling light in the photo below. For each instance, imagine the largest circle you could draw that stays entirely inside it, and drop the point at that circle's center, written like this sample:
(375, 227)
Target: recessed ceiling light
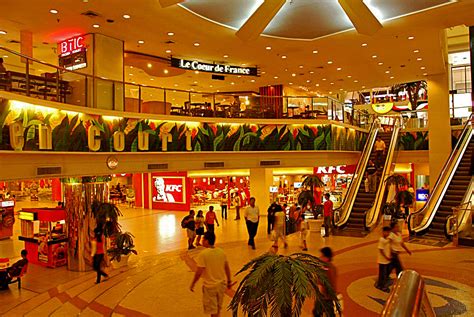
(301, 66)
(176, 85)
(315, 52)
(130, 74)
(317, 85)
(53, 11)
(225, 56)
(126, 16)
(276, 77)
(411, 37)
(311, 72)
(332, 83)
(380, 63)
(349, 76)
(374, 56)
(356, 81)
(416, 51)
(131, 67)
(5, 56)
(330, 92)
(244, 64)
(419, 59)
(324, 79)
(424, 74)
(252, 80)
(149, 65)
(341, 89)
(290, 83)
(283, 56)
(339, 68)
(168, 51)
(387, 72)
(308, 81)
(268, 47)
(239, 76)
(329, 62)
(95, 26)
(422, 67)
(363, 87)
(170, 33)
(196, 44)
(195, 82)
(165, 71)
(3, 32)
(141, 42)
(293, 75)
(264, 73)
(196, 72)
(364, 44)
(232, 83)
(211, 86)
(391, 77)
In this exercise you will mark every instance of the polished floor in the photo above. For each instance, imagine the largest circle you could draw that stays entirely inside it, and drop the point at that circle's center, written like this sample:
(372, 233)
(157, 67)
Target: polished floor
(156, 282)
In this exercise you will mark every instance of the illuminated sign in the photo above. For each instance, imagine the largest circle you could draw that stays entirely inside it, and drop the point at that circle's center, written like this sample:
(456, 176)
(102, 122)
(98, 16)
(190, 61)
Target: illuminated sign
(31, 216)
(71, 46)
(213, 68)
(168, 189)
(273, 189)
(382, 108)
(297, 184)
(7, 203)
(339, 169)
(422, 194)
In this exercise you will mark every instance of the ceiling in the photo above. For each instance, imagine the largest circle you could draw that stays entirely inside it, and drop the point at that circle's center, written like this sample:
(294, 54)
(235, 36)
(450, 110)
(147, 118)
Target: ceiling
(407, 48)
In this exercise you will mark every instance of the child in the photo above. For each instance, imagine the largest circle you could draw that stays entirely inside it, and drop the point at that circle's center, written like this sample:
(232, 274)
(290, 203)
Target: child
(383, 259)
(199, 227)
(396, 245)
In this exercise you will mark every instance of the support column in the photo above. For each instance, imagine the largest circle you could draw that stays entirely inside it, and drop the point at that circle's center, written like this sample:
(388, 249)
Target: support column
(471, 47)
(79, 194)
(260, 182)
(438, 124)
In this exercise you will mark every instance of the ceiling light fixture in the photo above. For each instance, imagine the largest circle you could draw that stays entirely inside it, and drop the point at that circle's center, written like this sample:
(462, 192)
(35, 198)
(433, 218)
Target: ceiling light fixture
(196, 72)
(315, 52)
(363, 87)
(149, 65)
(422, 67)
(225, 56)
(283, 56)
(165, 71)
(317, 85)
(141, 42)
(232, 83)
(196, 44)
(332, 83)
(168, 51)
(252, 80)
(419, 59)
(53, 11)
(374, 56)
(268, 48)
(290, 83)
(329, 62)
(380, 63)
(96, 26)
(339, 68)
(293, 75)
(356, 81)
(3, 32)
(276, 77)
(416, 51)
(324, 79)
(364, 44)
(311, 72)
(425, 74)
(301, 66)
(126, 16)
(176, 85)
(391, 77)
(308, 81)
(170, 33)
(349, 76)
(411, 37)
(387, 72)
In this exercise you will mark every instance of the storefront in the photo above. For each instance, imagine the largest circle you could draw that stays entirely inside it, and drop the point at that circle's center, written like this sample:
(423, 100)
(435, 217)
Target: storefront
(336, 179)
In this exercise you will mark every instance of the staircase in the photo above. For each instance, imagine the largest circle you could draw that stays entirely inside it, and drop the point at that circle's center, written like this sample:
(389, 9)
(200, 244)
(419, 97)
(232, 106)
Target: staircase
(363, 200)
(454, 194)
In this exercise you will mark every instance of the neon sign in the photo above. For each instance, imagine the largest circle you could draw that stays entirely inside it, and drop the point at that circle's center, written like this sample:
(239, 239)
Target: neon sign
(213, 68)
(339, 169)
(71, 46)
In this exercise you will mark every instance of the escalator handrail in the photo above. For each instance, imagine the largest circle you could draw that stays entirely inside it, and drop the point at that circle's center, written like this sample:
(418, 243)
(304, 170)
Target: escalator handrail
(464, 213)
(371, 217)
(438, 189)
(358, 174)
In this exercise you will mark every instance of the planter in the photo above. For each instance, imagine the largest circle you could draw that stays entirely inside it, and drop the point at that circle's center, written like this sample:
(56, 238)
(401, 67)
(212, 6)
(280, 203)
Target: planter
(123, 262)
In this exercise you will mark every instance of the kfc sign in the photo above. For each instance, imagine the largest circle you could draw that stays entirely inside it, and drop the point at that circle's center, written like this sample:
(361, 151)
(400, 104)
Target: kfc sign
(168, 189)
(71, 46)
(339, 169)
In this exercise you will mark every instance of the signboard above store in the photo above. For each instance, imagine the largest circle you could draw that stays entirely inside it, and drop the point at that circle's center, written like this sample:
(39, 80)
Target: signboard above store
(71, 46)
(213, 68)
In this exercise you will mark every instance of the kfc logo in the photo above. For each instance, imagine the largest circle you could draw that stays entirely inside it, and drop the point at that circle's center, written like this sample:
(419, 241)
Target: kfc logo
(168, 189)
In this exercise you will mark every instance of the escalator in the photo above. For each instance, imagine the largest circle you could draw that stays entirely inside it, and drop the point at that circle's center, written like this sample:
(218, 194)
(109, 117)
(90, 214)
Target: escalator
(360, 210)
(449, 191)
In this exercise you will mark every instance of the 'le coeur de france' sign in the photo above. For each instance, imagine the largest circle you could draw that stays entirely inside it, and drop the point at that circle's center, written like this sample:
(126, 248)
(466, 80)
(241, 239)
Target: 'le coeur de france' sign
(214, 68)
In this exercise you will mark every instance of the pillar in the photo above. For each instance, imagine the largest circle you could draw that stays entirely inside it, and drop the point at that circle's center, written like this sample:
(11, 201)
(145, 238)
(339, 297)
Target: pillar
(439, 128)
(260, 181)
(471, 48)
(79, 194)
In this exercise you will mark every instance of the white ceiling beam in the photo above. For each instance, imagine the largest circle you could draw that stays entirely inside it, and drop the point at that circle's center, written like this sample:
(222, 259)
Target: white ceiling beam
(361, 17)
(168, 3)
(259, 20)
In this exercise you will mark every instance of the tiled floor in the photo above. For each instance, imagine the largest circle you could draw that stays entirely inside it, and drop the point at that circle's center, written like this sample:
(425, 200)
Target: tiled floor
(156, 282)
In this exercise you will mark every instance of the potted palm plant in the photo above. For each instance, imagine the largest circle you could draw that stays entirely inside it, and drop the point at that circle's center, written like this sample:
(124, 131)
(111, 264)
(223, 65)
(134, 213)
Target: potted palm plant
(106, 215)
(307, 194)
(278, 285)
(121, 249)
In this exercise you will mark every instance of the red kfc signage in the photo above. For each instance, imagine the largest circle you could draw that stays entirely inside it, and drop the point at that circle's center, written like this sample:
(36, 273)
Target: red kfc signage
(338, 169)
(168, 189)
(71, 46)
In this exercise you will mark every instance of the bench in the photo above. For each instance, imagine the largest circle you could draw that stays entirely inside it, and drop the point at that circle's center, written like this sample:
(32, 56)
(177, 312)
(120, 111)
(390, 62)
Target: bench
(17, 279)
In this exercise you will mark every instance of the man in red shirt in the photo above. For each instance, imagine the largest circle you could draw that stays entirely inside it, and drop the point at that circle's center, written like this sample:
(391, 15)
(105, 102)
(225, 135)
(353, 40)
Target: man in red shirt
(210, 218)
(327, 213)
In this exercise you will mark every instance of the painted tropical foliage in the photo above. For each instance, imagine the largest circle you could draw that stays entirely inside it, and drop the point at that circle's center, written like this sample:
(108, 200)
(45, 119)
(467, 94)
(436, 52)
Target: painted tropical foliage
(70, 133)
(413, 141)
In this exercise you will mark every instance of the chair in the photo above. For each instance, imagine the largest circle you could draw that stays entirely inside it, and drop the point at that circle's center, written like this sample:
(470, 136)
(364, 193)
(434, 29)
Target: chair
(17, 279)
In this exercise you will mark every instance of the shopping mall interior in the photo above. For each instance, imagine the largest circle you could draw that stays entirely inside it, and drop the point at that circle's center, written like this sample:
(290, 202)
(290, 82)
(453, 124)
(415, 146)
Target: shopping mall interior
(117, 120)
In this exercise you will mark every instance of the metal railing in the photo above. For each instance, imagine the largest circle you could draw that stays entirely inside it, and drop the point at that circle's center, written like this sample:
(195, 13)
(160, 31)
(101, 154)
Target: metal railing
(408, 297)
(373, 214)
(461, 219)
(429, 209)
(43, 80)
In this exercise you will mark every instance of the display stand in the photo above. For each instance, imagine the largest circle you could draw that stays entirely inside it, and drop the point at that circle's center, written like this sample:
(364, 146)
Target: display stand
(46, 243)
(7, 218)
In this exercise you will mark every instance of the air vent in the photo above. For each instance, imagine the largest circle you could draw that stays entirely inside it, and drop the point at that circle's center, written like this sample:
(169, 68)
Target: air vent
(218, 77)
(90, 14)
(14, 42)
(169, 42)
(162, 166)
(50, 170)
(269, 163)
(213, 164)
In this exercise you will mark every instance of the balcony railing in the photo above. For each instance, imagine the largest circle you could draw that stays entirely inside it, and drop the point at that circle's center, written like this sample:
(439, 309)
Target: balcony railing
(50, 82)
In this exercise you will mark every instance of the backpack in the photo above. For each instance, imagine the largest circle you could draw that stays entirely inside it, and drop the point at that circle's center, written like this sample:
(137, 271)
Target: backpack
(184, 222)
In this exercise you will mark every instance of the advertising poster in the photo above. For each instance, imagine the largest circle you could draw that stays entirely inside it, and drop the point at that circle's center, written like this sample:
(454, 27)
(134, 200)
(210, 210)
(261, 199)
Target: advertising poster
(168, 189)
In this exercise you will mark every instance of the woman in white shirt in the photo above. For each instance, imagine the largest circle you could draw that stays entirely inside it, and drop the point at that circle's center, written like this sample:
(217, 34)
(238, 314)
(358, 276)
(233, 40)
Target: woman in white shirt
(396, 245)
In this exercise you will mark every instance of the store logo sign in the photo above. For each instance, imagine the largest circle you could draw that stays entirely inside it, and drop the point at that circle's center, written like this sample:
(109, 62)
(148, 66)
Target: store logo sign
(422, 194)
(168, 189)
(213, 68)
(339, 169)
(382, 108)
(71, 46)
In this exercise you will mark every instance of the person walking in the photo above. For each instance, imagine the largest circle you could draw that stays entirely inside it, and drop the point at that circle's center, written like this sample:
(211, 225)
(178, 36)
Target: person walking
(372, 176)
(237, 203)
(331, 274)
(383, 260)
(327, 213)
(252, 217)
(396, 245)
(213, 267)
(97, 253)
(224, 207)
(303, 227)
(211, 217)
(190, 225)
(199, 227)
(274, 207)
(379, 148)
(279, 224)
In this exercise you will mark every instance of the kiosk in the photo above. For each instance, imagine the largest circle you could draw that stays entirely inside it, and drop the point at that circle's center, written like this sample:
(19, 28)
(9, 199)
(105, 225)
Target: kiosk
(7, 218)
(42, 229)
